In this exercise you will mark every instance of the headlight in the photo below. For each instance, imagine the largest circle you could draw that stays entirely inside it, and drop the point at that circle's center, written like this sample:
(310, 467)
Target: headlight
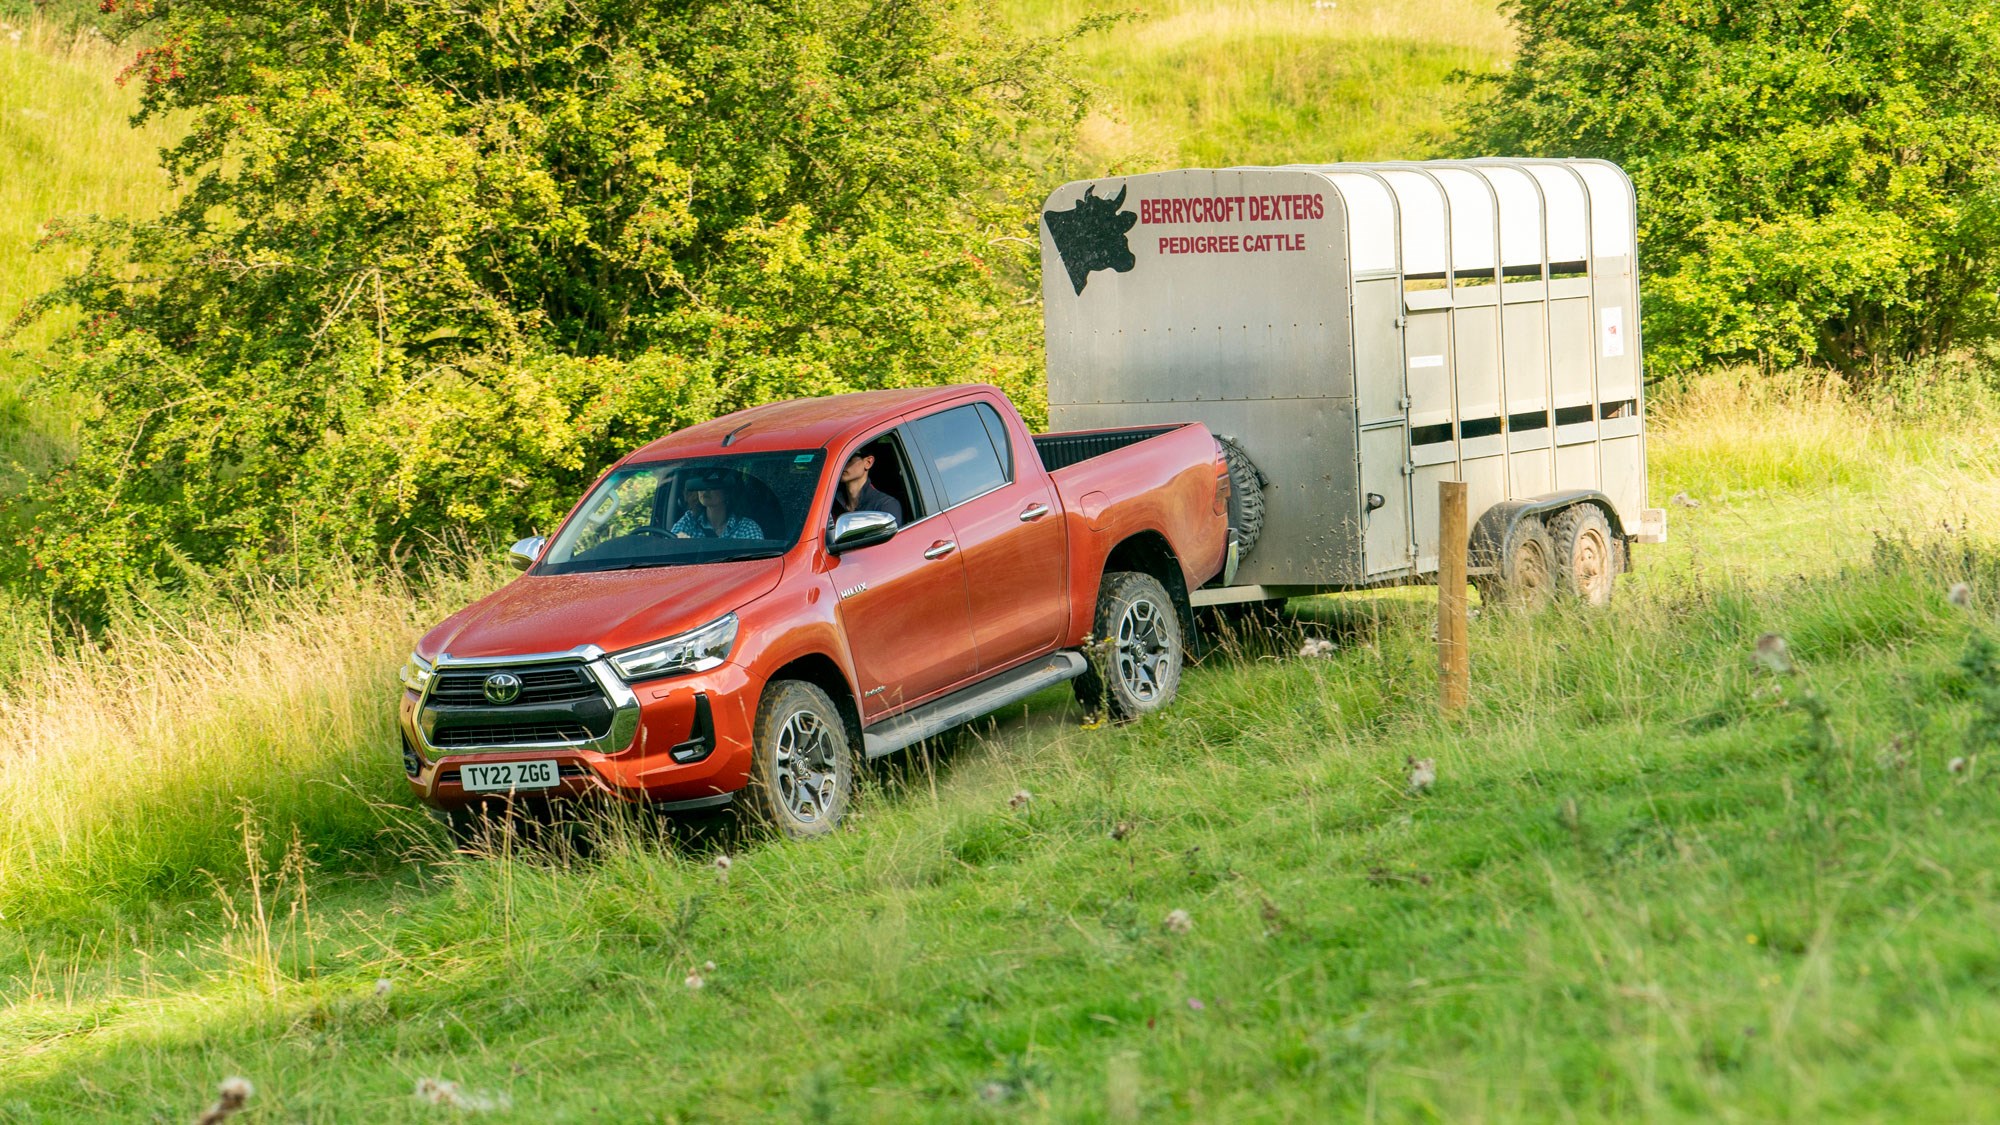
(416, 673)
(696, 650)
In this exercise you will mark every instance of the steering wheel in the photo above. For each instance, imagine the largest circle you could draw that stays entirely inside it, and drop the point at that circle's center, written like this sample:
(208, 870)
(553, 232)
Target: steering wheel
(653, 529)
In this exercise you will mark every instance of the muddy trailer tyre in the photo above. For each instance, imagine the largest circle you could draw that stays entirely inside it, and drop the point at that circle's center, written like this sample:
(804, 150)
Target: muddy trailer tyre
(1135, 668)
(801, 765)
(1586, 554)
(1526, 571)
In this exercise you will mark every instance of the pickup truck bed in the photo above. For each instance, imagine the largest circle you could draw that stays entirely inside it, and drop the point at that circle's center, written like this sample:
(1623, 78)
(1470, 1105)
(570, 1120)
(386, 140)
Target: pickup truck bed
(1060, 451)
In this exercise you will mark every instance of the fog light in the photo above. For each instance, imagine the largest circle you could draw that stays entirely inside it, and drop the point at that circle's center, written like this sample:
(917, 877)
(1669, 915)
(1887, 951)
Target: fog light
(701, 738)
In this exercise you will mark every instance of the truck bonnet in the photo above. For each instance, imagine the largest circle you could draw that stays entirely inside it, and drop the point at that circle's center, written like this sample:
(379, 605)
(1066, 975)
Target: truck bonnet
(612, 609)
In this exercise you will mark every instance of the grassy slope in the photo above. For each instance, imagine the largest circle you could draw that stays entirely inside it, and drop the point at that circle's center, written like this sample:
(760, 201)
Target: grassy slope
(68, 150)
(1186, 83)
(1648, 883)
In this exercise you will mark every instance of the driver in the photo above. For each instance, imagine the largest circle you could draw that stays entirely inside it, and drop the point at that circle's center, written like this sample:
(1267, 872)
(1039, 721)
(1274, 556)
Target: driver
(710, 517)
(855, 494)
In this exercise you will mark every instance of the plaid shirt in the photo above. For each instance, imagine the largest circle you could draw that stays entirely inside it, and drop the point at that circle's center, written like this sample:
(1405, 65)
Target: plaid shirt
(695, 525)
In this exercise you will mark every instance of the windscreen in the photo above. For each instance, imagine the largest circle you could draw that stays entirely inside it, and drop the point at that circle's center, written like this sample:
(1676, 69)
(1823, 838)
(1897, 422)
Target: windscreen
(686, 512)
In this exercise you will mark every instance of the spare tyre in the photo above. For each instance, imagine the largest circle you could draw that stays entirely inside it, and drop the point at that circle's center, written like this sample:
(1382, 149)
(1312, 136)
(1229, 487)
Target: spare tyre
(1246, 496)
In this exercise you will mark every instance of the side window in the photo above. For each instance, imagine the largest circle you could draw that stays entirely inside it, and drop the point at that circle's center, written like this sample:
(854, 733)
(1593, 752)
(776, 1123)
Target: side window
(891, 473)
(961, 452)
(996, 430)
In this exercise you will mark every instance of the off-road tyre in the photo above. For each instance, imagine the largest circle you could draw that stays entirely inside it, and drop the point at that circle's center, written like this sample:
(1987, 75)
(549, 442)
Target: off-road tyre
(801, 762)
(1137, 649)
(1527, 569)
(1587, 554)
(1246, 496)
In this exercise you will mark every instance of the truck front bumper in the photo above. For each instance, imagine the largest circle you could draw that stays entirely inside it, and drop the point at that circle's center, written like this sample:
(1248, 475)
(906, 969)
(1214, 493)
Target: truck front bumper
(678, 742)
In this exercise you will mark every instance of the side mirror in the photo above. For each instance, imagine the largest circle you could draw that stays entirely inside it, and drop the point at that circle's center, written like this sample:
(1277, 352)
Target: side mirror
(860, 529)
(523, 554)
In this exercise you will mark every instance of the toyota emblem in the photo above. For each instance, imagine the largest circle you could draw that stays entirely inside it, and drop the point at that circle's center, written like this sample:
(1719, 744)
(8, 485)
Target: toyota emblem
(502, 687)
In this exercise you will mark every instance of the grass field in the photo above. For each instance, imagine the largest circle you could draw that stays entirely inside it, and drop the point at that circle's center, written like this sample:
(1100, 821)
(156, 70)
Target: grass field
(1652, 880)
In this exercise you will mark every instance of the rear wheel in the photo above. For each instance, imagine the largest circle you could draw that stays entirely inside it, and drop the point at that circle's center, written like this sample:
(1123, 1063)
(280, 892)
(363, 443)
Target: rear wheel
(1586, 554)
(1136, 666)
(802, 765)
(1527, 568)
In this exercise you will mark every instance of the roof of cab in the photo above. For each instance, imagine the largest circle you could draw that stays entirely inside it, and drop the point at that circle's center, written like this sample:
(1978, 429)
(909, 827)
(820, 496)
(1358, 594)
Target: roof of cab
(800, 423)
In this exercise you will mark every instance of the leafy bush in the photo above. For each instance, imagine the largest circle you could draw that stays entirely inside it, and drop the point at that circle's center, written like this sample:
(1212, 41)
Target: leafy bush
(1817, 178)
(434, 266)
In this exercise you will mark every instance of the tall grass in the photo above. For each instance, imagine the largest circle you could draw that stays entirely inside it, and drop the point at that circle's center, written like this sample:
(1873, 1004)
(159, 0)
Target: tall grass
(130, 762)
(1765, 473)
(1653, 880)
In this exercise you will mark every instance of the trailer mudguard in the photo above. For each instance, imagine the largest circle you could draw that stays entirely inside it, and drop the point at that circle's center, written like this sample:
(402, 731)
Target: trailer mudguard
(1495, 525)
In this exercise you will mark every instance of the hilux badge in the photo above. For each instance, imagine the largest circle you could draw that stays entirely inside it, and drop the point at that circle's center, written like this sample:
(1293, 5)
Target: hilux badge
(502, 687)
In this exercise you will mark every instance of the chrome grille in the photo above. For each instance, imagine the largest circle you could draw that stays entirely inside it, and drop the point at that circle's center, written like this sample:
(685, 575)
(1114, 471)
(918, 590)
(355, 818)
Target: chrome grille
(512, 734)
(564, 683)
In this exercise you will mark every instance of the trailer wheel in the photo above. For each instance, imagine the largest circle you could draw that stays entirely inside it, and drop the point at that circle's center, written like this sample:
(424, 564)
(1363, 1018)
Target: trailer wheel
(1246, 496)
(801, 765)
(1135, 667)
(1527, 571)
(1586, 554)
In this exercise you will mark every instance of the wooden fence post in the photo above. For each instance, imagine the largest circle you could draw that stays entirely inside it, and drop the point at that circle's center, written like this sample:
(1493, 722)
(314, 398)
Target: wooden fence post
(1454, 660)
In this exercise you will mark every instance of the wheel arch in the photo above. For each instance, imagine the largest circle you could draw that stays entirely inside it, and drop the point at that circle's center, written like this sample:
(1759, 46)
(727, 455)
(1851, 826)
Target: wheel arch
(1490, 533)
(821, 671)
(1148, 552)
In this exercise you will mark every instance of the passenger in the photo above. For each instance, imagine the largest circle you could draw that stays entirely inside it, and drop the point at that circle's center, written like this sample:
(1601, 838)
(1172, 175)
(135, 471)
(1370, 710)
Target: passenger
(856, 494)
(712, 519)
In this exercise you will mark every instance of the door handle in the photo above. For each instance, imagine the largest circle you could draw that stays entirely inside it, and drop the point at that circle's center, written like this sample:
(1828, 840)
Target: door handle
(941, 548)
(1034, 513)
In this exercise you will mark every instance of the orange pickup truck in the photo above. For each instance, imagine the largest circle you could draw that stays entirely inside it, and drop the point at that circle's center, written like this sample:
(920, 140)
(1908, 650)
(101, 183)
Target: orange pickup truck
(739, 609)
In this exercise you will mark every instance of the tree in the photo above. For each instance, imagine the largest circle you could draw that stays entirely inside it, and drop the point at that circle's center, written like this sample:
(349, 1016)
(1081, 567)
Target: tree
(434, 264)
(1817, 179)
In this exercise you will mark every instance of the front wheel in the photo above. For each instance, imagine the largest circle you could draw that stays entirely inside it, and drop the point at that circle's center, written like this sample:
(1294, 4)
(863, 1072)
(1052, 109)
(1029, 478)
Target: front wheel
(1136, 669)
(802, 765)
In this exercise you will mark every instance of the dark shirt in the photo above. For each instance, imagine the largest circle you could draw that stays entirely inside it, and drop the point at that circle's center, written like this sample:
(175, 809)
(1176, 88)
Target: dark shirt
(872, 500)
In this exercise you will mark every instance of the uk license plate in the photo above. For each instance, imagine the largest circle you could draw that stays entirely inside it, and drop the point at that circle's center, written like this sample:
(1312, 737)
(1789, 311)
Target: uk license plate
(489, 777)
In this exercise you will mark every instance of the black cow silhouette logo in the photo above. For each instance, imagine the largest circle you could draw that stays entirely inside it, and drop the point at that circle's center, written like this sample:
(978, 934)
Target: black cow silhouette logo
(1091, 236)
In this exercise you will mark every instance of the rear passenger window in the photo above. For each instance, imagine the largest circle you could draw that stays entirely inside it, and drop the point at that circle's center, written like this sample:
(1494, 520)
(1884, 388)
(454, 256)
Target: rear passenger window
(997, 431)
(961, 452)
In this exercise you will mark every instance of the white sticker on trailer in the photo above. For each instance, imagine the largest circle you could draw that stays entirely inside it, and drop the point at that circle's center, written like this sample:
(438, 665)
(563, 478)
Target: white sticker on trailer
(1426, 361)
(1611, 329)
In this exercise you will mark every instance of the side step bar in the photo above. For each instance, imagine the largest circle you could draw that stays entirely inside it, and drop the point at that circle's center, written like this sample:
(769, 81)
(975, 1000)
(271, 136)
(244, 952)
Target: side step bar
(969, 703)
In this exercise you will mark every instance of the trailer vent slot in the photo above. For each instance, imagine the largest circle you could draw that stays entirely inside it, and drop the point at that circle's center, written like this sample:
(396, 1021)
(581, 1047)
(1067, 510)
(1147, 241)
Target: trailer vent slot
(1574, 415)
(1478, 428)
(1623, 408)
(1535, 420)
(1431, 435)
(1565, 271)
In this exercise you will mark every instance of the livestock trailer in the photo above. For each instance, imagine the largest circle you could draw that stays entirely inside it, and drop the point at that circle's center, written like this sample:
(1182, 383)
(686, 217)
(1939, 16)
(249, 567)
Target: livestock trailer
(1363, 332)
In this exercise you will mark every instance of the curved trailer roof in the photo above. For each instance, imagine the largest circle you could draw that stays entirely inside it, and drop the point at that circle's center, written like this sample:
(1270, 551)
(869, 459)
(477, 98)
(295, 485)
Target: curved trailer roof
(1473, 215)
